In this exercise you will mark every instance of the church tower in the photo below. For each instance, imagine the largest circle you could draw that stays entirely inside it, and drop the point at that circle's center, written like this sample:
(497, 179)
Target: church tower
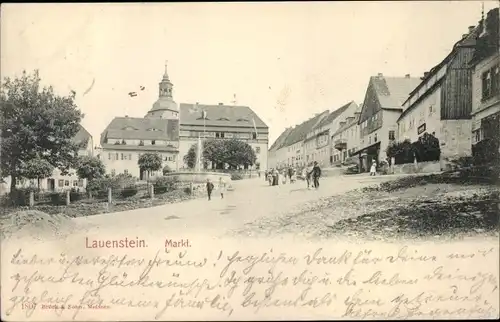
(165, 107)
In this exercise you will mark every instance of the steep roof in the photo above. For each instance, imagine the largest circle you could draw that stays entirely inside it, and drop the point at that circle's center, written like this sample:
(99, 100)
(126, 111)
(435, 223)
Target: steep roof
(300, 131)
(333, 115)
(281, 139)
(392, 92)
(219, 115)
(82, 136)
(354, 121)
(489, 42)
(142, 129)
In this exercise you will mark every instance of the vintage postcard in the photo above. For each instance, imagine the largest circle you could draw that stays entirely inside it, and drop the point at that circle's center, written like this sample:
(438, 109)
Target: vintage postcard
(250, 161)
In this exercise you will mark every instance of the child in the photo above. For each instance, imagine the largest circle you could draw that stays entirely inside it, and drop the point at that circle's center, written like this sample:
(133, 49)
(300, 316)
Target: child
(210, 187)
(373, 169)
(222, 187)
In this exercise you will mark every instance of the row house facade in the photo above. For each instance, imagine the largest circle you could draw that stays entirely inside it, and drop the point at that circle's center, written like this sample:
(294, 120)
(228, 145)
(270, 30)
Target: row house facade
(57, 181)
(346, 139)
(378, 117)
(441, 104)
(486, 82)
(276, 153)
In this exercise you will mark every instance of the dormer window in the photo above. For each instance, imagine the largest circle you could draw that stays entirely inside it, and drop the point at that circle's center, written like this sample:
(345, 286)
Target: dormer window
(129, 128)
(223, 119)
(153, 129)
(153, 142)
(241, 120)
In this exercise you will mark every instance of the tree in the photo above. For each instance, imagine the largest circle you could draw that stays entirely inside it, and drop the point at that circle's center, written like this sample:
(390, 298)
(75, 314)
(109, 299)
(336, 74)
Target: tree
(36, 169)
(90, 168)
(215, 151)
(238, 153)
(36, 124)
(149, 162)
(190, 157)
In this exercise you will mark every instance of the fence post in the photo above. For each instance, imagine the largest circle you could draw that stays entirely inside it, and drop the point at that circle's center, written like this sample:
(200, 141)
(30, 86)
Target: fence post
(110, 199)
(32, 199)
(68, 199)
(151, 191)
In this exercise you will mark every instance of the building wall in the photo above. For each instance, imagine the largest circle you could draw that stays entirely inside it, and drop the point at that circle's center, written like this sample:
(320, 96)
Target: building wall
(426, 113)
(294, 154)
(118, 141)
(455, 138)
(483, 108)
(351, 137)
(120, 161)
(456, 96)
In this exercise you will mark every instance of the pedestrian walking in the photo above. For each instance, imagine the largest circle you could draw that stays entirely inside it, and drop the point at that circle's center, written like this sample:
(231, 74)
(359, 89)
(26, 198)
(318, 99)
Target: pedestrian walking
(290, 173)
(316, 174)
(373, 169)
(307, 175)
(222, 187)
(284, 174)
(210, 188)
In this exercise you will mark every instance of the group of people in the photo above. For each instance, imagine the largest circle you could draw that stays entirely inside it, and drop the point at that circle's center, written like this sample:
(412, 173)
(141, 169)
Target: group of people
(210, 188)
(311, 173)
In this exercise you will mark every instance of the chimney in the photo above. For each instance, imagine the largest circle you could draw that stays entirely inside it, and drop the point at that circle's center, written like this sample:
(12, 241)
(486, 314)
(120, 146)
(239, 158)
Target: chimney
(471, 28)
(407, 76)
(380, 75)
(221, 103)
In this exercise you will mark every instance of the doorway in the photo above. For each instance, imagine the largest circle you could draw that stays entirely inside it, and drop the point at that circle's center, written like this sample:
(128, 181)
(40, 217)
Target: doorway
(51, 184)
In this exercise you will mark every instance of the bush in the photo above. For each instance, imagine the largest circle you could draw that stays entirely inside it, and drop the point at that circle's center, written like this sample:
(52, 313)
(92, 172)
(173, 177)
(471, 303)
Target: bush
(75, 195)
(128, 192)
(165, 184)
(57, 199)
(236, 176)
(99, 187)
(486, 151)
(166, 170)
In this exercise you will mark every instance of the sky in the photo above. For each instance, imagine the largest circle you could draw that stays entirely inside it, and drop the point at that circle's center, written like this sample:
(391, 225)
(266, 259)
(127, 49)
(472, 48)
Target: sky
(287, 60)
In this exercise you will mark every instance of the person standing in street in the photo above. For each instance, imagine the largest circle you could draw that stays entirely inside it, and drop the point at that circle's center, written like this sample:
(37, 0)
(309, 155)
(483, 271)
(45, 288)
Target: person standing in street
(316, 173)
(210, 188)
(222, 187)
(373, 169)
(290, 173)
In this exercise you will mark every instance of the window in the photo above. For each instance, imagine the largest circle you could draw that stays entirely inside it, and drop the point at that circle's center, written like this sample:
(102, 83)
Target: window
(392, 135)
(109, 156)
(375, 138)
(122, 156)
(116, 157)
(66, 183)
(130, 156)
(80, 182)
(369, 140)
(75, 183)
(153, 142)
(431, 110)
(257, 150)
(491, 82)
(60, 183)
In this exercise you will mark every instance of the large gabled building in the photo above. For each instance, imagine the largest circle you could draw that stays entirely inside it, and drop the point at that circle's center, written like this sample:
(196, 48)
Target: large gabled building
(381, 109)
(170, 129)
(441, 104)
